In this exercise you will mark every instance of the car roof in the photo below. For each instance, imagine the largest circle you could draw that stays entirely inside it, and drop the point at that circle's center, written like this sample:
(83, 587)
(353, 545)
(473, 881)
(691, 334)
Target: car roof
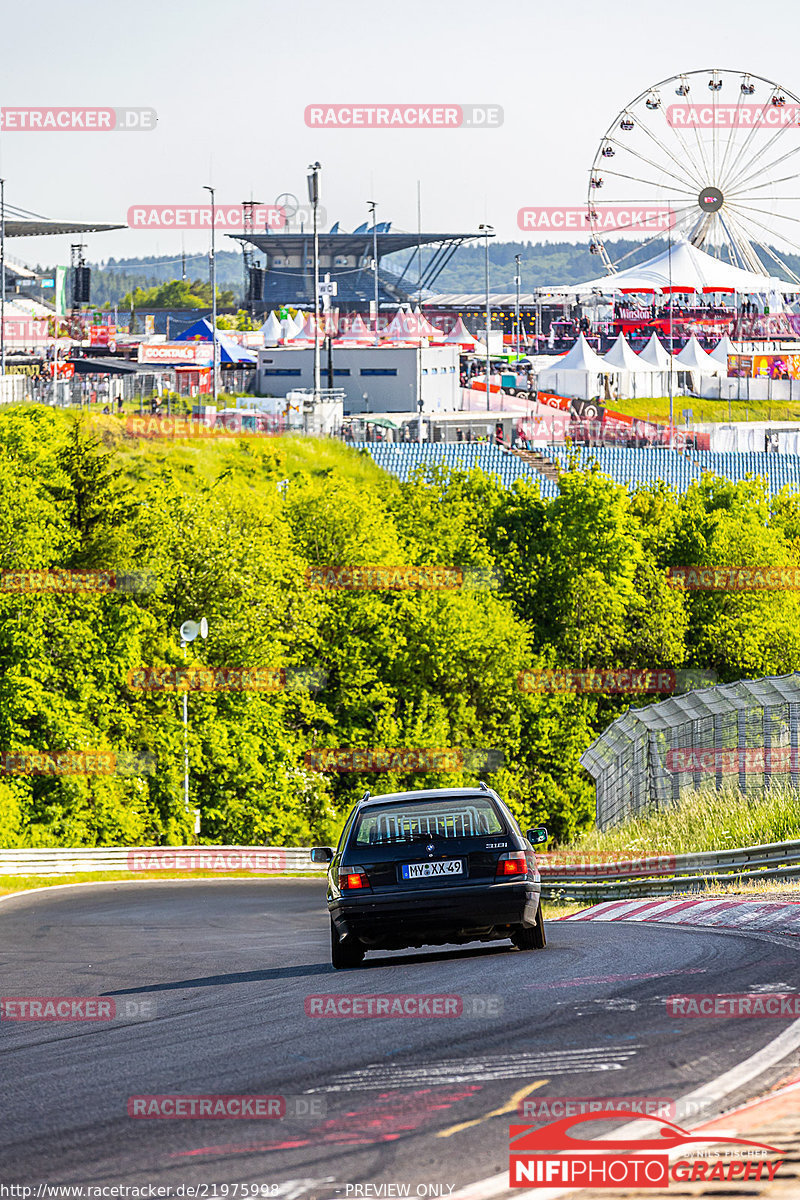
(428, 794)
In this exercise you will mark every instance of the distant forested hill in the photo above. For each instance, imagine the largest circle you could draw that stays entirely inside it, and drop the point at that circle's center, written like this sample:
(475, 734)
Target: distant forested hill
(541, 264)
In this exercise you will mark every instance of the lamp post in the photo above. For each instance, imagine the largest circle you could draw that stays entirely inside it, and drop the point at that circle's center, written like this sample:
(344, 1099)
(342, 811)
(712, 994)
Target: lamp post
(313, 196)
(517, 260)
(371, 205)
(189, 631)
(210, 190)
(486, 230)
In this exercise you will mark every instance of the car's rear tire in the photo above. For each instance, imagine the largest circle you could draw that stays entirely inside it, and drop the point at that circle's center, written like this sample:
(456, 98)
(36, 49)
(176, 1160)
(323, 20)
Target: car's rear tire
(347, 953)
(531, 937)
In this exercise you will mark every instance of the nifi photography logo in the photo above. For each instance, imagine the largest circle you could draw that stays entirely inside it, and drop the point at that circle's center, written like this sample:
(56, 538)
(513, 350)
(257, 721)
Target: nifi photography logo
(553, 1156)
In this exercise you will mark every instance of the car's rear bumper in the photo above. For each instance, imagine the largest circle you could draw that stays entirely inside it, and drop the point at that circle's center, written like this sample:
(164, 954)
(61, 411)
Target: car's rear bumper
(433, 916)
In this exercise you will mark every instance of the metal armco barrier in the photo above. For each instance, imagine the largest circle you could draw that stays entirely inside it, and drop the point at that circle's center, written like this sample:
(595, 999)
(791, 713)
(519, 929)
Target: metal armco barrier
(579, 879)
(664, 873)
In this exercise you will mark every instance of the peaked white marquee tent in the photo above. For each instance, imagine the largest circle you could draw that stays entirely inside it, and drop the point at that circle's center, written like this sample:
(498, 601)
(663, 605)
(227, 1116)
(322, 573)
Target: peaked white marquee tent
(682, 267)
(694, 358)
(579, 374)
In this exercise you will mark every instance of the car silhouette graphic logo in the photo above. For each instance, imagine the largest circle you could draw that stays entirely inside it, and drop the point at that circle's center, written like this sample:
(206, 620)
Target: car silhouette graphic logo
(557, 1136)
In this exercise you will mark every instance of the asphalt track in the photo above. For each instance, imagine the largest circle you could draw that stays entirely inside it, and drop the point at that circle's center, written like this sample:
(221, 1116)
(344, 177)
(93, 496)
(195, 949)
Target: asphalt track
(423, 1103)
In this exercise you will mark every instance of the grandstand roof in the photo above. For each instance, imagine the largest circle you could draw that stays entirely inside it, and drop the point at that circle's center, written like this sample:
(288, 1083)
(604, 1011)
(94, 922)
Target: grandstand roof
(38, 228)
(347, 243)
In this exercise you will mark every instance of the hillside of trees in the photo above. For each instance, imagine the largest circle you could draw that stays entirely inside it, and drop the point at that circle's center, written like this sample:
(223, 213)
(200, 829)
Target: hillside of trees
(542, 263)
(229, 530)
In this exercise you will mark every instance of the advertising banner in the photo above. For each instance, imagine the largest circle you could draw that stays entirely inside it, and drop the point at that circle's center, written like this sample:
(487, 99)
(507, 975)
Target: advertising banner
(169, 353)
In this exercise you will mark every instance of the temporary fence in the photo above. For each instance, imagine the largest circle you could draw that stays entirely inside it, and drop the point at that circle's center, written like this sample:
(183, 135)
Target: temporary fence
(741, 735)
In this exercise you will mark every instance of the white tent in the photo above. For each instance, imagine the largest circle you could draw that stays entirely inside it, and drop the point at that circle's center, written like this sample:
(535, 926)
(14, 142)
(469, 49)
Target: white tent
(299, 320)
(403, 327)
(306, 334)
(578, 374)
(637, 375)
(723, 348)
(694, 358)
(656, 354)
(681, 265)
(272, 330)
(459, 335)
(657, 357)
(621, 355)
(424, 325)
(358, 331)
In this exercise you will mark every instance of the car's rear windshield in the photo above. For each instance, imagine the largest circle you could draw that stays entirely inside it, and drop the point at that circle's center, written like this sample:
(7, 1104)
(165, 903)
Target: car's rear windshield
(422, 819)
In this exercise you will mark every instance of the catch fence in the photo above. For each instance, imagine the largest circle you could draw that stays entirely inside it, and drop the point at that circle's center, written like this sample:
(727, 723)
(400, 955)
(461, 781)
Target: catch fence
(742, 735)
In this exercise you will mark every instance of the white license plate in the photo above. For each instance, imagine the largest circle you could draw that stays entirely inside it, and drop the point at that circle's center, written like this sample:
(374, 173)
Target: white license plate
(424, 870)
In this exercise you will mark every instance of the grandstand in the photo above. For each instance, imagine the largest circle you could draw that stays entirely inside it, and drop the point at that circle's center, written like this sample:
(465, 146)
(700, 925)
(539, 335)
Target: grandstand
(402, 458)
(680, 468)
(629, 467)
(347, 259)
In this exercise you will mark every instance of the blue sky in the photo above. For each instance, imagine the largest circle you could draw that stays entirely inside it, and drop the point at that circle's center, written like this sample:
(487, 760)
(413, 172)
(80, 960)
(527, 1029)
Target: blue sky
(230, 83)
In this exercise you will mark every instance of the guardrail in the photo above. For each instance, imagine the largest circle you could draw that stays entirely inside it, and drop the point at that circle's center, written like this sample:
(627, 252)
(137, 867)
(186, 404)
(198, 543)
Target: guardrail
(627, 878)
(577, 879)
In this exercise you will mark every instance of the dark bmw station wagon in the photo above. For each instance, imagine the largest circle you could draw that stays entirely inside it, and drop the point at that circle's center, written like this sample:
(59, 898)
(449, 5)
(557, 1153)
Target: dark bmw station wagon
(428, 868)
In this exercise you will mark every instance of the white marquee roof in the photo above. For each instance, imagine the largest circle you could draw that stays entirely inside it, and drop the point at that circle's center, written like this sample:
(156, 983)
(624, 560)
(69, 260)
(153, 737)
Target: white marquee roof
(622, 356)
(580, 358)
(694, 358)
(682, 265)
(656, 354)
(723, 348)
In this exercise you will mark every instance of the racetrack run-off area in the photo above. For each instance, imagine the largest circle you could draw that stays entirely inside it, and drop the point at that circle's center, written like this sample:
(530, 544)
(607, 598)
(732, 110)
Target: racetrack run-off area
(210, 981)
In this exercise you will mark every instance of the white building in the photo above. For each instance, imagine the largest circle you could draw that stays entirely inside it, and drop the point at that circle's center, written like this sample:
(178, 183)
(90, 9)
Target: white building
(376, 379)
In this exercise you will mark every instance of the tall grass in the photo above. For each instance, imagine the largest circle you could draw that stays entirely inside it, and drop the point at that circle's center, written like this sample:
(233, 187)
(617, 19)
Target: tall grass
(705, 820)
(657, 409)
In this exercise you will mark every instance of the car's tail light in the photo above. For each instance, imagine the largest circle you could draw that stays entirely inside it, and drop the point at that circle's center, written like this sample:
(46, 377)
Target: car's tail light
(513, 863)
(352, 879)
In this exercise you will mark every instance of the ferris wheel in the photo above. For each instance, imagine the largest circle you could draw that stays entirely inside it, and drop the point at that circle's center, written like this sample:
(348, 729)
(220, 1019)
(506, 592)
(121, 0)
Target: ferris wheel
(717, 150)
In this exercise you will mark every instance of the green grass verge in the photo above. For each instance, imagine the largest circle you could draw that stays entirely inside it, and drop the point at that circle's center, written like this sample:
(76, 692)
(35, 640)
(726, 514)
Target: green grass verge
(657, 409)
(704, 820)
(254, 460)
